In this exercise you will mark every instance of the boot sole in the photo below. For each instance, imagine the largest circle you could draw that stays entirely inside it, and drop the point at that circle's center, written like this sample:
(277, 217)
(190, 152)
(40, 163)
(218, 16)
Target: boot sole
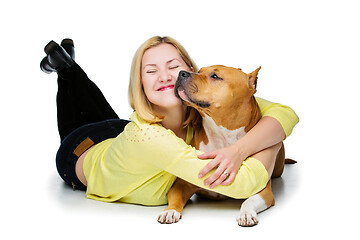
(50, 47)
(67, 41)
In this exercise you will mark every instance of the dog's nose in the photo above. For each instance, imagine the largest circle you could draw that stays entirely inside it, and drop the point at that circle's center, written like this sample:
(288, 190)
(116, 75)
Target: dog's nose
(184, 74)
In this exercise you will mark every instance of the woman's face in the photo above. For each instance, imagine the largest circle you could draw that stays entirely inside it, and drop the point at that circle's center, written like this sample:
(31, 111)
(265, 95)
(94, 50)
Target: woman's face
(160, 68)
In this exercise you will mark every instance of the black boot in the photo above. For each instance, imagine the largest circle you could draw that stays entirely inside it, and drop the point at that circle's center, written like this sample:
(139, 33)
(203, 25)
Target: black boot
(68, 45)
(56, 58)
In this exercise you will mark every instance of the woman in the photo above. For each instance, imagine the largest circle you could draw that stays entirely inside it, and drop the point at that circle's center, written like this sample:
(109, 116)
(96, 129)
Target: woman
(138, 161)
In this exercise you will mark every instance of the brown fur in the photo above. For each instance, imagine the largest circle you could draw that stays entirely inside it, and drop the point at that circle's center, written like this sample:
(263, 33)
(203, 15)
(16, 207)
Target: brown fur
(226, 95)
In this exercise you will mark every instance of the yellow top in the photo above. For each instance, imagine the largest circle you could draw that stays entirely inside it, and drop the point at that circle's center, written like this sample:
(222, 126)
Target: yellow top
(140, 165)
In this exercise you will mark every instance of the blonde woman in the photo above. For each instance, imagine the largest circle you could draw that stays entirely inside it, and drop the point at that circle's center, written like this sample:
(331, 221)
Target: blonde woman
(137, 161)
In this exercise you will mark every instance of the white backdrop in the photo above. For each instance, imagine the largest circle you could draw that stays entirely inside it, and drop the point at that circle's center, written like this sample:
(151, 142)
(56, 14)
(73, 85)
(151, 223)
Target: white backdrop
(309, 52)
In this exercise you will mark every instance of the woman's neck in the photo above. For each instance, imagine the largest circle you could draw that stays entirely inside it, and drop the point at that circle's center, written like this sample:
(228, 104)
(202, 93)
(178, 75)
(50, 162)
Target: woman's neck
(174, 119)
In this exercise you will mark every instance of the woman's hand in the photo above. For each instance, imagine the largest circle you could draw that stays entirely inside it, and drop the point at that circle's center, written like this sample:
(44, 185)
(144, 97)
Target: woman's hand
(266, 133)
(227, 161)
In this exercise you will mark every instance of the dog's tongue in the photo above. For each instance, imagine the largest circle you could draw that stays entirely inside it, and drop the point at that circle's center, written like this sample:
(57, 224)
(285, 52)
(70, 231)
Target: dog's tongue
(182, 94)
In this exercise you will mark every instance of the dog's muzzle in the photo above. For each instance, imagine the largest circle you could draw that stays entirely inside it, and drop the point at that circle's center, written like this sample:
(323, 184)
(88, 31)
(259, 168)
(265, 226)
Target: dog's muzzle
(182, 84)
(182, 78)
(183, 75)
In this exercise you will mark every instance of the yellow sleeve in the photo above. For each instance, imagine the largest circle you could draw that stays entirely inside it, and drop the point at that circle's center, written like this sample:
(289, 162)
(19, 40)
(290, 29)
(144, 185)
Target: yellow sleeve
(284, 114)
(163, 149)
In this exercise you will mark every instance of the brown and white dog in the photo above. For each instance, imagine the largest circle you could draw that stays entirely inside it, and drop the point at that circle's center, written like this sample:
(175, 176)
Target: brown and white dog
(224, 97)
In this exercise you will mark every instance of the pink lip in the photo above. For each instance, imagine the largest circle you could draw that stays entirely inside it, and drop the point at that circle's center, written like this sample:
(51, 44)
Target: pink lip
(163, 88)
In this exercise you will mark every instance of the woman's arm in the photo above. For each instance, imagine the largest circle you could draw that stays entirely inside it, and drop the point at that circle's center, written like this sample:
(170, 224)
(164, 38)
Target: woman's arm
(153, 147)
(266, 133)
(275, 125)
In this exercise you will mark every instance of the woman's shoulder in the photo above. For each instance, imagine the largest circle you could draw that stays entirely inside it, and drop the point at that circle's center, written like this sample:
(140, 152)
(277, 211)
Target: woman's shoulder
(137, 123)
(140, 130)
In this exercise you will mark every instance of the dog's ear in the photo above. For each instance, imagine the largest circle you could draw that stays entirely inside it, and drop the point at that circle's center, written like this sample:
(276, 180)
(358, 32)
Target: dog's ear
(253, 78)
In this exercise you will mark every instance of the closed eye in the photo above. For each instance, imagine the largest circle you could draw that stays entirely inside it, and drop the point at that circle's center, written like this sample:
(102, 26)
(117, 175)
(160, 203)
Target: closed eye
(216, 77)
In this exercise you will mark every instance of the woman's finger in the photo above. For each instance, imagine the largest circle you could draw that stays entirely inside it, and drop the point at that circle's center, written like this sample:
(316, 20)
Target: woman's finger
(208, 167)
(215, 175)
(207, 155)
(218, 181)
(229, 180)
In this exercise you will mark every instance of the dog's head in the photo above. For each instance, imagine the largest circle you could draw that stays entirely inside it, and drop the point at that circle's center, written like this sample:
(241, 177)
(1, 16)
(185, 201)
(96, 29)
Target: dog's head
(216, 88)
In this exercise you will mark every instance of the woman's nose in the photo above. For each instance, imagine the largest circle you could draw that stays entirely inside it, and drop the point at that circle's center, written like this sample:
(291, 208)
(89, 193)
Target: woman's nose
(165, 76)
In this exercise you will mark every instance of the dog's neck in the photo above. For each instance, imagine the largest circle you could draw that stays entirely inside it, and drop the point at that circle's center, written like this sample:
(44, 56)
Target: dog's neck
(220, 136)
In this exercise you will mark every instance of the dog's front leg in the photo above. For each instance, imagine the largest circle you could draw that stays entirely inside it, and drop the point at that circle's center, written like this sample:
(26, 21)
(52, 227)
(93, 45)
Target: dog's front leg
(178, 195)
(255, 204)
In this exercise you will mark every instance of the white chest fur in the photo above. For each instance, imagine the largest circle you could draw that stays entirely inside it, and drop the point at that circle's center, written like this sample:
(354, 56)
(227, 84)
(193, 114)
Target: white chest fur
(219, 136)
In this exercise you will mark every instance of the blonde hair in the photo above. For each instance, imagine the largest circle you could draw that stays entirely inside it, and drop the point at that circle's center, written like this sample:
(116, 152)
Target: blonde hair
(137, 98)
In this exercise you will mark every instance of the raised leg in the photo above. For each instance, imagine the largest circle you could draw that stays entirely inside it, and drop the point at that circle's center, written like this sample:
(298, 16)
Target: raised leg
(79, 100)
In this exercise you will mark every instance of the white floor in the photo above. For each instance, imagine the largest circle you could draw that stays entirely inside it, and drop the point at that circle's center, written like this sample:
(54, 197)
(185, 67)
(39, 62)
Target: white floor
(51, 205)
(40, 203)
(309, 52)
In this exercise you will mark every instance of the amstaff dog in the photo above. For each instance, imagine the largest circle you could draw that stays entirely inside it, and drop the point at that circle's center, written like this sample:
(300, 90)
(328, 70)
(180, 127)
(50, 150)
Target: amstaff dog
(224, 97)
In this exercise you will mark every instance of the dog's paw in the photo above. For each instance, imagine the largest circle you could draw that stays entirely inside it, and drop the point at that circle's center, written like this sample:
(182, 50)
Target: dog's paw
(169, 216)
(247, 218)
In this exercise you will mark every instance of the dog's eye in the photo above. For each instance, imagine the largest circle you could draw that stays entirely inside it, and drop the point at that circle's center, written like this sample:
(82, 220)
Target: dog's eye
(214, 76)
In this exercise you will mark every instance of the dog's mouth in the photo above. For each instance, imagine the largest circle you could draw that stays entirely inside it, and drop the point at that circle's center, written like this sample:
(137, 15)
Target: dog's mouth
(181, 93)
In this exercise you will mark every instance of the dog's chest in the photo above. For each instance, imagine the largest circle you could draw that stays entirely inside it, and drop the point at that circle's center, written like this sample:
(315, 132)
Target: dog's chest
(219, 136)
